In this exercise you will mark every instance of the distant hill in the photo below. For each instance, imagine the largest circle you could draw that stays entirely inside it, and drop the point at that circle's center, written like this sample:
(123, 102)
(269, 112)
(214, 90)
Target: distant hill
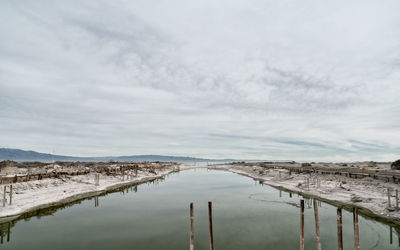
(22, 155)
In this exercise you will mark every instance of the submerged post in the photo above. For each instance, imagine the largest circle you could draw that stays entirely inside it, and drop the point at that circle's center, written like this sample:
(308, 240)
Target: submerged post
(340, 232)
(11, 194)
(191, 227)
(301, 224)
(317, 224)
(211, 227)
(356, 233)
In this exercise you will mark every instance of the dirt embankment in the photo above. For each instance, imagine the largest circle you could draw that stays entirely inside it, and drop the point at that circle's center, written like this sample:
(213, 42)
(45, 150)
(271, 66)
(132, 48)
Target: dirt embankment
(62, 183)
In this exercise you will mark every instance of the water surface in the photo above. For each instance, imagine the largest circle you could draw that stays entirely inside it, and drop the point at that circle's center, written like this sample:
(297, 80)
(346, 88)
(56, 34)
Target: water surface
(246, 215)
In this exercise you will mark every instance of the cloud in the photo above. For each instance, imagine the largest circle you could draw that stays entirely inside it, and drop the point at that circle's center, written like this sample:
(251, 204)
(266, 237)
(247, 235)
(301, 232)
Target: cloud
(240, 79)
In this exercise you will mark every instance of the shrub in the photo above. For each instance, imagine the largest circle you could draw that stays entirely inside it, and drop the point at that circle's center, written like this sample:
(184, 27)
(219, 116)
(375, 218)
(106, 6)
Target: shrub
(396, 165)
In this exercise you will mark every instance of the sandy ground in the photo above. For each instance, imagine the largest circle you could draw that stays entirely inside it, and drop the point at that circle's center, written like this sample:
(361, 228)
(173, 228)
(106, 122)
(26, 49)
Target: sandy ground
(365, 193)
(32, 195)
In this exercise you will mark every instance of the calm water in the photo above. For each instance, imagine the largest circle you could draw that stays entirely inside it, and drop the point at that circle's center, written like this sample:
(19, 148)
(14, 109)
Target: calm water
(246, 215)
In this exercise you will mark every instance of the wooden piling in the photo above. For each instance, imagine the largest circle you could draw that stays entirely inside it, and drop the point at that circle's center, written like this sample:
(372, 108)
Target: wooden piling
(301, 224)
(191, 227)
(356, 232)
(397, 199)
(391, 235)
(11, 194)
(317, 224)
(340, 232)
(210, 225)
(388, 194)
(4, 196)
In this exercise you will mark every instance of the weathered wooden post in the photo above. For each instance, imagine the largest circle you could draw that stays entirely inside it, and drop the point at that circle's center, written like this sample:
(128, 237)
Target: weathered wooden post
(191, 227)
(356, 232)
(317, 224)
(210, 224)
(301, 224)
(388, 194)
(397, 199)
(340, 232)
(4, 196)
(391, 235)
(11, 189)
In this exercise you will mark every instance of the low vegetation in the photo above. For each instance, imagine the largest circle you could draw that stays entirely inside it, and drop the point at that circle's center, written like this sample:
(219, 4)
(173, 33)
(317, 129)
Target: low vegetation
(396, 165)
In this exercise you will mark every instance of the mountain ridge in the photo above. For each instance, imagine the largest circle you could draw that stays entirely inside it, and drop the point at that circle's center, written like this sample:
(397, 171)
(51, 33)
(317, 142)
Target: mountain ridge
(30, 155)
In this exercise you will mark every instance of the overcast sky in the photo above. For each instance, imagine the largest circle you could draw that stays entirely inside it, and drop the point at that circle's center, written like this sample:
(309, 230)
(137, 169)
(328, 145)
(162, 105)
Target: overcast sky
(249, 79)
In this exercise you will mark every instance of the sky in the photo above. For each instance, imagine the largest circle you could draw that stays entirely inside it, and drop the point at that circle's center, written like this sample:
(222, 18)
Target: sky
(243, 79)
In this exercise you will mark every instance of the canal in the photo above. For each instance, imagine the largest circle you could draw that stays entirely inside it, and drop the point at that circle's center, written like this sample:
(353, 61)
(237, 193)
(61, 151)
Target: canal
(246, 215)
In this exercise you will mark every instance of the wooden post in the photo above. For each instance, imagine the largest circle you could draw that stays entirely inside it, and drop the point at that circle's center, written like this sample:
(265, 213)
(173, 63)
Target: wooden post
(191, 227)
(301, 224)
(397, 199)
(11, 194)
(317, 224)
(388, 193)
(356, 233)
(211, 227)
(391, 235)
(4, 196)
(340, 232)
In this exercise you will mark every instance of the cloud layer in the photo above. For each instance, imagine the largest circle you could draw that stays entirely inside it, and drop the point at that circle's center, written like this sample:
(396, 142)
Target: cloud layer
(223, 79)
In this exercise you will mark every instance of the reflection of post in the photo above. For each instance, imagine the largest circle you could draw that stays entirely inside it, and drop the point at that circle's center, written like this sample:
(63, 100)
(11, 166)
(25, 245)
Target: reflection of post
(317, 224)
(356, 234)
(191, 227)
(391, 235)
(280, 193)
(8, 231)
(210, 224)
(290, 195)
(302, 225)
(1, 240)
(339, 225)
